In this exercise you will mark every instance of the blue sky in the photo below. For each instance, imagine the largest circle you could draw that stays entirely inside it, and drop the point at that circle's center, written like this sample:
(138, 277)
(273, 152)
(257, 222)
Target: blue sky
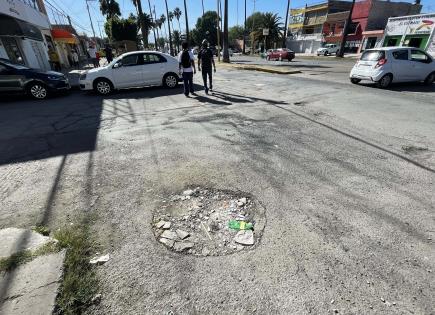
(77, 9)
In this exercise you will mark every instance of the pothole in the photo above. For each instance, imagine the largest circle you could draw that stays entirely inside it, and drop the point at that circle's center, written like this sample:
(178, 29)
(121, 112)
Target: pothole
(209, 222)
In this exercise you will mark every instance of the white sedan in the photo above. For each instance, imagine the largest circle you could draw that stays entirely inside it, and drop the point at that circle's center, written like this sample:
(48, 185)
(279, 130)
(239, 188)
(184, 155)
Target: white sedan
(394, 64)
(133, 69)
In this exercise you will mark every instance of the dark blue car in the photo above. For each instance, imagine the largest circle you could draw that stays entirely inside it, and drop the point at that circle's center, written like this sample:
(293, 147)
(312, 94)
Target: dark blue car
(39, 84)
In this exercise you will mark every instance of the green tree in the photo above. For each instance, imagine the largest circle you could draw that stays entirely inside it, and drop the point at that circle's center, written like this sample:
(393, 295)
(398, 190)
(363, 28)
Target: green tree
(143, 22)
(163, 20)
(177, 14)
(161, 42)
(256, 22)
(177, 39)
(205, 28)
(122, 29)
(234, 33)
(109, 8)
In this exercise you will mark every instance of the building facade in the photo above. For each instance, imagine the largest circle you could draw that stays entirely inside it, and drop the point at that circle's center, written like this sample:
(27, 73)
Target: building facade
(412, 31)
(369, 18)
(22, 23)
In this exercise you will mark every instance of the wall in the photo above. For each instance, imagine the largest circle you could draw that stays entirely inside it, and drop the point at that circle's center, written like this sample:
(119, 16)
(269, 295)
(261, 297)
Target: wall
(25, 12)
(303, 46)
(382, 10)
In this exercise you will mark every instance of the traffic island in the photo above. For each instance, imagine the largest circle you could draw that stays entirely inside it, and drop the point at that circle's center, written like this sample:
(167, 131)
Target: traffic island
(259, 68)
(208, 222)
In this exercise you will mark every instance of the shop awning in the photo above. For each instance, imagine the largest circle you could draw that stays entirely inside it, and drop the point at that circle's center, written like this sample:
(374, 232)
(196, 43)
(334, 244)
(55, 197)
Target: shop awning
(61, 35)
(14, 27)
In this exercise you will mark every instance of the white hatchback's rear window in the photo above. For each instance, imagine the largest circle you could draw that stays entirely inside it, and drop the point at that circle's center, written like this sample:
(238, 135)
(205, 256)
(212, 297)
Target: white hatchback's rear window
(373, 55)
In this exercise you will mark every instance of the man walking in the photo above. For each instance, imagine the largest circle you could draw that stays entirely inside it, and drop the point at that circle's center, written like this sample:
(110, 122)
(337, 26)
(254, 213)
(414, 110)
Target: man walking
(93, 55)
(205, 62)
(186, 63)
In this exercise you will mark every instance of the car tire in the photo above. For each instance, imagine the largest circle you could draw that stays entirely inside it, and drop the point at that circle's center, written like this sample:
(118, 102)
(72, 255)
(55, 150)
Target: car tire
(325, 53)
(430, 79)
(103, 86)
(170, 81)
(290, 59)
(385, 81)
(37, 90)
(355, 80)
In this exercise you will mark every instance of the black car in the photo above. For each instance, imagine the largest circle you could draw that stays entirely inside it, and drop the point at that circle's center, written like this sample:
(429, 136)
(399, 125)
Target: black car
(16, 78)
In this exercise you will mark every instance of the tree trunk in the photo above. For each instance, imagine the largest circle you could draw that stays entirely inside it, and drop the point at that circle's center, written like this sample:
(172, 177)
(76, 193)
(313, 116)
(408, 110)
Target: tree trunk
(171, 52)
(187, 21)
(226, 55)
(154, 29)
(142, 24)
(284, 40)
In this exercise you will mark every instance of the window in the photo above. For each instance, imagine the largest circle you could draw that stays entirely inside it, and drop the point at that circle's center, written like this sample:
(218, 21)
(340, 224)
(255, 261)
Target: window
(153, 58)
(353, 27)
(401, 54)
(130, 60)
(418, 55)
(373, 55)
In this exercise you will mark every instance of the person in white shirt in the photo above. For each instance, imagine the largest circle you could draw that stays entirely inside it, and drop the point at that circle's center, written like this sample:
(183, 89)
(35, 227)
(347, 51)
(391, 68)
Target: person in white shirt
(75, 58)
(93, 55)
(186, 63)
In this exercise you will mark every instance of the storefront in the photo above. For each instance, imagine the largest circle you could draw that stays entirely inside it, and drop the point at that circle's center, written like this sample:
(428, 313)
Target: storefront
(21, 40)
(412, 31)
(65, 42)
(371, 39)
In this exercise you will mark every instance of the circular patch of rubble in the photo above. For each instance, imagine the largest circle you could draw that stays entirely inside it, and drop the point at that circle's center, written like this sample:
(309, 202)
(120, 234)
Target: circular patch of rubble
(206, 222)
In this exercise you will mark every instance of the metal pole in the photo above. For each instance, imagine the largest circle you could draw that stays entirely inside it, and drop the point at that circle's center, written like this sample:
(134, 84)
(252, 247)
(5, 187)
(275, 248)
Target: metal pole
(244, 33)
(203, 12)
(218, 33)
(284, 41)
(187, 21)
(171, 52)
(253, 26)
(346, 31)
(154, 28)
(92, 25)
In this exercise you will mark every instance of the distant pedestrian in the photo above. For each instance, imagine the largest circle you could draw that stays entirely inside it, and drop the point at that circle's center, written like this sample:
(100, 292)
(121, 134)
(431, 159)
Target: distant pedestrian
(97, 56)
(75, 58)
(205, 63)
(186, 63)
(109, 53)
(54, 59)
(93, 55)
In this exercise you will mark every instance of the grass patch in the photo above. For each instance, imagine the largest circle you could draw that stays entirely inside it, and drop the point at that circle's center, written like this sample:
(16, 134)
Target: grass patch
(80, 283)
(41, 230)
(12, 262)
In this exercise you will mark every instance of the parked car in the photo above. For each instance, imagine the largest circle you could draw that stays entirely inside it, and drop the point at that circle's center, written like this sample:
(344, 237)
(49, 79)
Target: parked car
(328, 49)
(230, 51)
(394, 64)
(37, 83)
(133, 69)
(280, 54)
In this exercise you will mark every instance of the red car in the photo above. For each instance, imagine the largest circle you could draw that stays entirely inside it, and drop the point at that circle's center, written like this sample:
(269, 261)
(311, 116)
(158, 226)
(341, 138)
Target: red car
(280, 54)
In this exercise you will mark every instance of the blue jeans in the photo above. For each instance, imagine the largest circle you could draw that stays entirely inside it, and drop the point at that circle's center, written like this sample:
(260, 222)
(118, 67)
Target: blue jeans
(188, 83)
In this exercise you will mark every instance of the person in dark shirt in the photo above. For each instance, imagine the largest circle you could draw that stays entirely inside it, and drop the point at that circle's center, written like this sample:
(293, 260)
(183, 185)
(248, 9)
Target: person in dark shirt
(205, 63)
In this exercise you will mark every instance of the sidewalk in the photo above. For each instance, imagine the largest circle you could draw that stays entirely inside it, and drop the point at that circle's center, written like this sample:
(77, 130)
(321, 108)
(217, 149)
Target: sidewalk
(314, 55)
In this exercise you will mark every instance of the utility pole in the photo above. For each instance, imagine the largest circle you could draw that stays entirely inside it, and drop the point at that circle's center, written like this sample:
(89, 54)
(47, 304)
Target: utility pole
(154, 28)
(346, 31)
(203, 12)
(171, 52)
(187, 22)
(92, 25)
(284, 41)
(218, 33)
(244, 33)
(99, 28)
(226, 55)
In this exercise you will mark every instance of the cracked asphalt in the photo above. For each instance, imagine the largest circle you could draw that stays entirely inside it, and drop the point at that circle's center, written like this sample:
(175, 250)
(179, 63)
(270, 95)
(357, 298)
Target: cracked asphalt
(350, 213)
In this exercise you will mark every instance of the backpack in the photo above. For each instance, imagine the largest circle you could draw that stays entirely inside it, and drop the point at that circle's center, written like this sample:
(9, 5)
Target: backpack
(185, 59)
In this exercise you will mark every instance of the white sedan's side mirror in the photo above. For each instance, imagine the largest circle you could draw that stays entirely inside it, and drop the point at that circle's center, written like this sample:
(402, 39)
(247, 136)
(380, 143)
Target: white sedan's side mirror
(117, 65)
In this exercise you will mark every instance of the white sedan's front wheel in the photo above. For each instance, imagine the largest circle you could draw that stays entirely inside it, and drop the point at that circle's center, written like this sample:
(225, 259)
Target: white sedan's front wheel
(103, 86)
(170, 81)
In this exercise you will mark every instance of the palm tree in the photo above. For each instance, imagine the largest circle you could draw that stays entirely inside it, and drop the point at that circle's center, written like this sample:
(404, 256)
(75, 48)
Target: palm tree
(163, 19)
(178, 14)
(226, 55)
(170, 18)
(109, 8)
(275, 26)
(177, 39)
(154, 26)
(187, 21)
(143, 27)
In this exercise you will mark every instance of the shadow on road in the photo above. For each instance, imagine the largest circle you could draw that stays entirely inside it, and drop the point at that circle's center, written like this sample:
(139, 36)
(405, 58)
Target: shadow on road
(405, 87)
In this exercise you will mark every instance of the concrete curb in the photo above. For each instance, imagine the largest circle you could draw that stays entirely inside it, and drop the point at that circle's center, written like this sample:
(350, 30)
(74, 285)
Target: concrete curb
(259, 68)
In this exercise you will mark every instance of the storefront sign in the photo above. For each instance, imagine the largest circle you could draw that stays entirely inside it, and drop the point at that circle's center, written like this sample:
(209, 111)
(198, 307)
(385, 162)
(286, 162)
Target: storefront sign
(22, 10)
(409, 25)
(297, 17)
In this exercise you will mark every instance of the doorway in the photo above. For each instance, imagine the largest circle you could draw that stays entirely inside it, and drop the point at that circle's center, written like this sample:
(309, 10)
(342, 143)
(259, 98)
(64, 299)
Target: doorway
(13, 50)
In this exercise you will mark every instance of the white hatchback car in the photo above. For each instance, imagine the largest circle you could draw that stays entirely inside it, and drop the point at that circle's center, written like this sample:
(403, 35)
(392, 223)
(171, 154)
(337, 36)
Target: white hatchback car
(394, 64)
(132, 69)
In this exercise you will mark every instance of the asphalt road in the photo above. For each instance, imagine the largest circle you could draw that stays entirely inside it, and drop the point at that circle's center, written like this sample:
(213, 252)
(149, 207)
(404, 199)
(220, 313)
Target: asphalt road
(346, 174)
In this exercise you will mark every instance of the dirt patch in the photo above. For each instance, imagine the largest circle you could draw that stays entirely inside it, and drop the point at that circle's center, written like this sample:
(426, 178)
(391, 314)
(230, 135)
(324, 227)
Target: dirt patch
(207, 222)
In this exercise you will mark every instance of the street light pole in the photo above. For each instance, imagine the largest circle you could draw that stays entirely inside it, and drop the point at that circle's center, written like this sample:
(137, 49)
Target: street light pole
(346, 31)
(187, 21)
(284, 41)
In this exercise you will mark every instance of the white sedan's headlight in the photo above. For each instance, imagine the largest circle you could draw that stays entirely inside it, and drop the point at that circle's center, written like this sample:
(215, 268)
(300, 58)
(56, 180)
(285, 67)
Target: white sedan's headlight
(83, 76)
